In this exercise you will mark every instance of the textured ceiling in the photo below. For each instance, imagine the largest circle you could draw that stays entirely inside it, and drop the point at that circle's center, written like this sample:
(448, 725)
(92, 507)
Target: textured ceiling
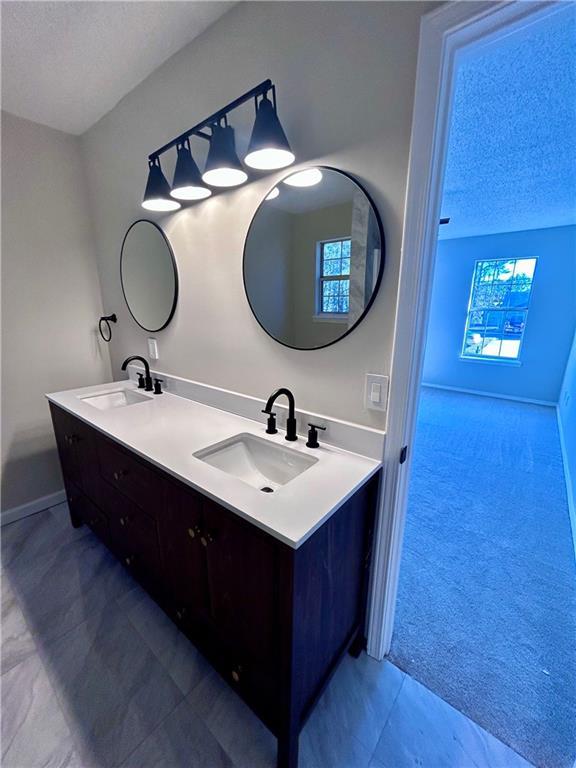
(512, 152)
(65, 64)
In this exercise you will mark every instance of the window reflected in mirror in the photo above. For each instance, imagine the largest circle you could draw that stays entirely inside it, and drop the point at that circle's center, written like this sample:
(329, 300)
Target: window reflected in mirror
(313, 258)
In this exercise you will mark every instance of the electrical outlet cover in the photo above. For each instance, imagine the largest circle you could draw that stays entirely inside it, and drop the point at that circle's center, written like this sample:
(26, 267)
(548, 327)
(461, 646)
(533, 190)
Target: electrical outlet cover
(376, 392)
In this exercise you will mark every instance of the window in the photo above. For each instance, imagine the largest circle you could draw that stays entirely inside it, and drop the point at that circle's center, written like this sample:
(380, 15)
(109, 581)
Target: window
(498, 308)
(334, 277)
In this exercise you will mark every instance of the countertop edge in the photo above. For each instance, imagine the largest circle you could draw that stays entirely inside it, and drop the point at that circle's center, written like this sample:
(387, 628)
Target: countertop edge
(55, 399)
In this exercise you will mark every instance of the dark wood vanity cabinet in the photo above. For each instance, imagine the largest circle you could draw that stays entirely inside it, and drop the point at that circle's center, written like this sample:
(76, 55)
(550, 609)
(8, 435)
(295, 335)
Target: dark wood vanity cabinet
(273, 620)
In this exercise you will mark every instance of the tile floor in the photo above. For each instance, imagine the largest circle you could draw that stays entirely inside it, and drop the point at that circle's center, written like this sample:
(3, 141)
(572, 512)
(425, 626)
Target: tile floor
(95, 675)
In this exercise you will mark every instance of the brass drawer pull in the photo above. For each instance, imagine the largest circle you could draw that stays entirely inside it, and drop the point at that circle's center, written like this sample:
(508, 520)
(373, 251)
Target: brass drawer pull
(119, 475)
(207, 539)
(236, 674)
(129, 560)
(124, 521)
(181, 613)
(193, 532)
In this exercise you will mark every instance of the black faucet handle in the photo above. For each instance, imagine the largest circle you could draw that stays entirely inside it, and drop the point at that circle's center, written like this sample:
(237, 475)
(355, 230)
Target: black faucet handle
(313, 435)
(158, 386)
(140, 380)
(271, 423)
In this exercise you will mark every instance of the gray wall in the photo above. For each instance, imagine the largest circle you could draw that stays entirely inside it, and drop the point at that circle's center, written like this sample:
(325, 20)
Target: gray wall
(268, 271)
(50, 300)
(567, 418)
(549, 326)
(345, 78)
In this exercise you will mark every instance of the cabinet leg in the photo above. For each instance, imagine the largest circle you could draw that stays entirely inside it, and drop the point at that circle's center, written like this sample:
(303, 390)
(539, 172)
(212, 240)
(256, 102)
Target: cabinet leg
(288, 751)
(357, 645)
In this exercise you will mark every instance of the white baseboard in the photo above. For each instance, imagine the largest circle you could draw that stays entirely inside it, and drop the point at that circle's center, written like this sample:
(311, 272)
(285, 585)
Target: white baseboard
(24, 510)
(529, 400)
(570, 487)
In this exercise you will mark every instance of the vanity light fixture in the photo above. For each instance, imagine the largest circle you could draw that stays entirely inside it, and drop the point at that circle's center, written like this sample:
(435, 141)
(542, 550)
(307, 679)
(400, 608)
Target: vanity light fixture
(157, 194)
(188, 184)
(223, 166)
(268, 150)
(306, 178)
(273, 194)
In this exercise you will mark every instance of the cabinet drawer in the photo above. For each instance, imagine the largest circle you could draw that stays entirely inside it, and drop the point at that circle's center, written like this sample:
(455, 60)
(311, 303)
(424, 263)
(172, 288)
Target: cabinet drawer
(135, 540)
(88, 512)
(131, 477)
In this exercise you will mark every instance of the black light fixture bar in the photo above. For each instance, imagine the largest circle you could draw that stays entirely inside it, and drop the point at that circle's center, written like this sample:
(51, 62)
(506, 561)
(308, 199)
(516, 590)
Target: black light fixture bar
(259, 90)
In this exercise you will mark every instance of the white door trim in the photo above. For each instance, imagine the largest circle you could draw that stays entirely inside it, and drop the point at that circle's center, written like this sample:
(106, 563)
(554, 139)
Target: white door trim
(444, 36)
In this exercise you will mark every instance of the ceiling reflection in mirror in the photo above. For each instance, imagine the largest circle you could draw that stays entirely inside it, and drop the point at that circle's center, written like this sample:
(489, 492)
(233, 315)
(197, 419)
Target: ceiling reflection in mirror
(313, 258)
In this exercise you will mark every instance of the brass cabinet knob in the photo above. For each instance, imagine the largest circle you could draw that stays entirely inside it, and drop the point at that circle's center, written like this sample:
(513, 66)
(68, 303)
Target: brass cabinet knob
(118, 475)
(236, 676)
(181, 613)
(128, 560)
(191, 533)
(124, 521)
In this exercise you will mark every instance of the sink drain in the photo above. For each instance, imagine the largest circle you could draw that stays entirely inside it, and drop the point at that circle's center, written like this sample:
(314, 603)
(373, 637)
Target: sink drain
(267, 489)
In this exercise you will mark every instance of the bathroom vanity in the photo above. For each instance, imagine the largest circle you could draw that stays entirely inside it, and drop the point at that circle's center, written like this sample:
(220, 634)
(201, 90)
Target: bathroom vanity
(271, 587)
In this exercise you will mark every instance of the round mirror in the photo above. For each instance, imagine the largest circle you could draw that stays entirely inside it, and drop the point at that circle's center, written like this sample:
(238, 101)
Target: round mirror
(148, 275)
(313, 258)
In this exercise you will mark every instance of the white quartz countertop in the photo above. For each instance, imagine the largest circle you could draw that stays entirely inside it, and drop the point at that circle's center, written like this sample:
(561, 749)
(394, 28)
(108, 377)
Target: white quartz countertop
(167, 430)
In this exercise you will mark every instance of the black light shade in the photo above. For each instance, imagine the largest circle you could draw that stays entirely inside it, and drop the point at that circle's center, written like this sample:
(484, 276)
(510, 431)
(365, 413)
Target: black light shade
(188, 184)
(269, 147)
(223, 166)
(157, 193)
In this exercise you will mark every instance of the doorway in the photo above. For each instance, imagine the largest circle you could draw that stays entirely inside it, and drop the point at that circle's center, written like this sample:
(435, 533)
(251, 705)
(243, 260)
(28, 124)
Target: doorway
(494, 454)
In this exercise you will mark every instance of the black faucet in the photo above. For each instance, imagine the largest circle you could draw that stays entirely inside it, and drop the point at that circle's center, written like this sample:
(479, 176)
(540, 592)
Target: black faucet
(291, 420)
(147, 378)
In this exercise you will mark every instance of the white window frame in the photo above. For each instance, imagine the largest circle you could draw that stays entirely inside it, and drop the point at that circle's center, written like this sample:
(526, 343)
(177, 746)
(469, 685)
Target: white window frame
(319, 315)
(493, 358)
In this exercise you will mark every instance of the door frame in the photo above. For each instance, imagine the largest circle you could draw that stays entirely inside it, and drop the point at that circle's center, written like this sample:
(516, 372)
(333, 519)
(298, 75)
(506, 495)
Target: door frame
(446, 34)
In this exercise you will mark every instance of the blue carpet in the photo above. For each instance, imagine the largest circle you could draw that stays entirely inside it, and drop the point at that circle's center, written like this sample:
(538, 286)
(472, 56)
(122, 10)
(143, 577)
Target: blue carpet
(486, 613)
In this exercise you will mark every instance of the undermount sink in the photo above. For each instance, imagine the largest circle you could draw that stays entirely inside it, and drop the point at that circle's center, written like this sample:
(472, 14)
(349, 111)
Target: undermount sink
(116, 399)
(258, 462)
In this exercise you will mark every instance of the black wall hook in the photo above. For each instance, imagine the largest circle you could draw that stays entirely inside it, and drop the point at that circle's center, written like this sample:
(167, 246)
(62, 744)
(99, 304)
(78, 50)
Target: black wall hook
(106, 320)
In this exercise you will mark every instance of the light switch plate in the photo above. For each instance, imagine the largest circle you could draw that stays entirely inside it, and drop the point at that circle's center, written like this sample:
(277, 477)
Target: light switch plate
(152, 349)
(376, 392)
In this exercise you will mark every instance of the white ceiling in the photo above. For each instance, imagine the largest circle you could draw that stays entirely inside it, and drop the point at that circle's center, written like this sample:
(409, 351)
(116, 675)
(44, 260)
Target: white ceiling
(66, 64)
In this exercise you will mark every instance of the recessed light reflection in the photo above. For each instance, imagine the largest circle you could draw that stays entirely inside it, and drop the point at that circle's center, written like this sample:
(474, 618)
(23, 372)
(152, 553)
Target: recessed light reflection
(307, 178)
(273, 195)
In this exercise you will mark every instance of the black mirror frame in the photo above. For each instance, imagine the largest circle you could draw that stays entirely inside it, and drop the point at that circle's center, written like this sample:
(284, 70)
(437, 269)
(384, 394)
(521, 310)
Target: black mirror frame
(380, 271)
(174, 266)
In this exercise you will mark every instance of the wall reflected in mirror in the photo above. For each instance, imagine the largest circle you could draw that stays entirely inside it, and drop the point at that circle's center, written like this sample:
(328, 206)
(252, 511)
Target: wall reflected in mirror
(313, 258)
(148, 275)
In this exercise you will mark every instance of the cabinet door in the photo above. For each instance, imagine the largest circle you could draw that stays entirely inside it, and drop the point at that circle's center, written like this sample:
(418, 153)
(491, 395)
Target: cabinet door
(66, 439)
(181, 532)
(77, 449)
(242, 582)
(86, 511)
